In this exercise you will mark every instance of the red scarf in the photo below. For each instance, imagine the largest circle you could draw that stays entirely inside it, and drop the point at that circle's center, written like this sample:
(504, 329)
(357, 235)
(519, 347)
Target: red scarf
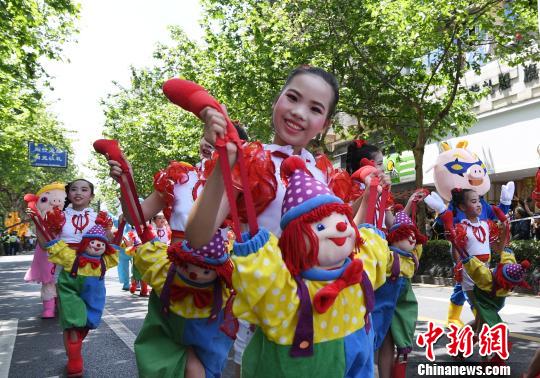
(201, 297)
(325, 297)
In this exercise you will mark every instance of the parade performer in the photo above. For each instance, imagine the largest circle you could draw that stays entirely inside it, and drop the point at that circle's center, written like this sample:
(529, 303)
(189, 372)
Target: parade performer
(396, 308)
(313, 265)
(184, 311)
(303, 108)
(360, 154)
(81, 287)
(124, 259)
(192, 290)
(79, 216)
(133, 242)
(42, 271)
(461, 168)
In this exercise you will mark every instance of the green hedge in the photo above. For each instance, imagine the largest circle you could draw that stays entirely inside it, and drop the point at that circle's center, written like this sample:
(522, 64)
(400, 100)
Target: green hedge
(436, 259)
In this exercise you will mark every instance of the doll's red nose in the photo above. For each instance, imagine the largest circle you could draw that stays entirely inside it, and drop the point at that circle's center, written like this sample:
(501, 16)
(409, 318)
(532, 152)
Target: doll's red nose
(341, 226)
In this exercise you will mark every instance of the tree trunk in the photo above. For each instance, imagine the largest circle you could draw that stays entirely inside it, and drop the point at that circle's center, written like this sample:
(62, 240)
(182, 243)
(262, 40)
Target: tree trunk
(418, 152)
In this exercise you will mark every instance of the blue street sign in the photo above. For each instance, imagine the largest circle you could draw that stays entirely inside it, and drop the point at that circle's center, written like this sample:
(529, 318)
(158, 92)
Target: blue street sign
(46, 155)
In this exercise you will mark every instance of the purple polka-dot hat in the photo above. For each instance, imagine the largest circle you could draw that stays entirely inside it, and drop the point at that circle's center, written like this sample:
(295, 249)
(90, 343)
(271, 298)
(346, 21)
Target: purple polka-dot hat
(96, 232)
(213, 253)
(303, 193)
(401, 219)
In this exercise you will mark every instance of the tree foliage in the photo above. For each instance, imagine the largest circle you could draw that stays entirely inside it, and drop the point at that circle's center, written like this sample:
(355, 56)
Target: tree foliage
(400, 64)
(31, 31)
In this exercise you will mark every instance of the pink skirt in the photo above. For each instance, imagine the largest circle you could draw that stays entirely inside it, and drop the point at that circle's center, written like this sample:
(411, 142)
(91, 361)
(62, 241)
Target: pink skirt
(41, 270)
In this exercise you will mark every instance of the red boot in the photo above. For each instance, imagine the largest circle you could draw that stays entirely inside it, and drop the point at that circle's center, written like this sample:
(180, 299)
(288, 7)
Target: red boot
(133, 287)
(75, 362)
(144, 289)
(400, 367)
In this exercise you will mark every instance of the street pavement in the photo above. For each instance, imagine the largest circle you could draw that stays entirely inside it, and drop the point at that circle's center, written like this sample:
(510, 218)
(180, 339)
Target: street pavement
(33, 347)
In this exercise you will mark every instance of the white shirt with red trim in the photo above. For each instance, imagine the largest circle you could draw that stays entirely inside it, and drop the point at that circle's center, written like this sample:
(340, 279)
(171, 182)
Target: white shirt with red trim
(477, 237)
(77, 224)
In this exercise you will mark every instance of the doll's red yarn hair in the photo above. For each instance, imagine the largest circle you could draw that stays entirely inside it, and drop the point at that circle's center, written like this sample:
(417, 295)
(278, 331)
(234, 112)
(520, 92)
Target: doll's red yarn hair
(298, 243)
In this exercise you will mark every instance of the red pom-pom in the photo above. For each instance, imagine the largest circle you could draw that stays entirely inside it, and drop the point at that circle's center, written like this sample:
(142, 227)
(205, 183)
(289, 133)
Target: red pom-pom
(290, 165)
(461, 235)
(325, 165)
(341, 185)
(262, 179)
(104, 220)
(493, 231)
(55, 220)
(525, 264)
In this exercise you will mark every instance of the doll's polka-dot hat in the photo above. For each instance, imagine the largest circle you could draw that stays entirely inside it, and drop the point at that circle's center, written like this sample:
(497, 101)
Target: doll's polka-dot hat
(96, 232)
(303, 193)
(401, 219)
(213, 253)
(515, 273)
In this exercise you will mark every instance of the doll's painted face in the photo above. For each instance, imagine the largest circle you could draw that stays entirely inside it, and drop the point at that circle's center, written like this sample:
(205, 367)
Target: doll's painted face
(196, 273)
(336, 240)
(95, 248)
(460, 168)
(407, 244)
(48, 200)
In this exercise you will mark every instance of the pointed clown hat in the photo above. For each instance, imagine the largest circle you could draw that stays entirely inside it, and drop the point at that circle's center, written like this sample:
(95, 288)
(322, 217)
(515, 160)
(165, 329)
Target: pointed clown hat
(304, 193)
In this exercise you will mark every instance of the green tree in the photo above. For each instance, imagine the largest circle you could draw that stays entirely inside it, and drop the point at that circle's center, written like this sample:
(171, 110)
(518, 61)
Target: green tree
(31, 30)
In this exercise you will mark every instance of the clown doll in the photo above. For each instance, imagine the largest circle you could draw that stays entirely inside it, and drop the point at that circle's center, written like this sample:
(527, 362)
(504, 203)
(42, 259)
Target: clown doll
(461, 168)
(81, 288)
(41, 270)
(396, 308)
(310, 292)
(188, 310)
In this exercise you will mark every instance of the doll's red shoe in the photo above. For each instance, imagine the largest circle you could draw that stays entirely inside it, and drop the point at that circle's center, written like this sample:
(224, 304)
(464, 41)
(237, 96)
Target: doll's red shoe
(74, 367)
(111, 149)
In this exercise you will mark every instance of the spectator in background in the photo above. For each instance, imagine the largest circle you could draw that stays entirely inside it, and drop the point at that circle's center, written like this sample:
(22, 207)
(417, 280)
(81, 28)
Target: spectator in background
(536, 228)
(521, 228)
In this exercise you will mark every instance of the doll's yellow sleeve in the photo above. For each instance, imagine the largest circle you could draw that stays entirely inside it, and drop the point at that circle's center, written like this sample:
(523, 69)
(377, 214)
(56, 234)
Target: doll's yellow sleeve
(112, 260)
(418, 251)
(375, 254)
(266, 291)
(152, 262)
(60, 253)
(508, 257)
(480, 274)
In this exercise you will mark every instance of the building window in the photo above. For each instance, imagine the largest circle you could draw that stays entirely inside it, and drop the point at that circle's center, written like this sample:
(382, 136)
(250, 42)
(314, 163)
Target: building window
(504, 81)
(531, 73)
